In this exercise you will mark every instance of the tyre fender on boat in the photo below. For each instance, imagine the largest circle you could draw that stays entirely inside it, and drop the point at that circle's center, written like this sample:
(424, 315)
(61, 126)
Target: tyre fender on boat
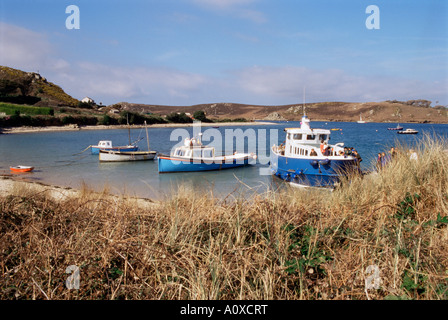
(324, 162)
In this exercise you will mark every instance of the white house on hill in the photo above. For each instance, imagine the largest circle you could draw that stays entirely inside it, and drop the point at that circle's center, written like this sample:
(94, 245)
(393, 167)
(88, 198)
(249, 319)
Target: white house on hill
(87, 100)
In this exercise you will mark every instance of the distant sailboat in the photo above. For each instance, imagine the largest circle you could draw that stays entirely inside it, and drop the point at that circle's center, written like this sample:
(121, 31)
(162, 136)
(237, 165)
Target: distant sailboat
(360, 119)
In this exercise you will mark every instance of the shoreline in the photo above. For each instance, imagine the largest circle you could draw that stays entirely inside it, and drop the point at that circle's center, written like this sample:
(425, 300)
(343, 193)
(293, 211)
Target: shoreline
(11, 185)
(71, 127)
(74, 127)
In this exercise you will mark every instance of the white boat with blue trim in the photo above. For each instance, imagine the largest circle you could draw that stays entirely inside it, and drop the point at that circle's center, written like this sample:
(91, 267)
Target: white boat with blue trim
(123, 156)
(304, 160)
(193, 156)
(107, 145)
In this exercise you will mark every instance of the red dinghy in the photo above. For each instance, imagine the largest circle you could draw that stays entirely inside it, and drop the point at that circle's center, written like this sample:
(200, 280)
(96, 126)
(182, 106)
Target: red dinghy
(21, 169)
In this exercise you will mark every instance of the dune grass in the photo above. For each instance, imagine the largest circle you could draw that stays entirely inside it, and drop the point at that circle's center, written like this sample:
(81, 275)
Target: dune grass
(293, 244)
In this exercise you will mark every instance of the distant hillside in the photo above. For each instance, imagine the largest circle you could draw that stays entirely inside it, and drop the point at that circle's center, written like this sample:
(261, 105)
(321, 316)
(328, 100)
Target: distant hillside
(31, 88)
(386, 111)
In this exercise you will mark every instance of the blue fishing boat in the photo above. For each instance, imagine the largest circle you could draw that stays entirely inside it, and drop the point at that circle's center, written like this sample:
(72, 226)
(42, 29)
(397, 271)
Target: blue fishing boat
(307, 159)
(193, 156)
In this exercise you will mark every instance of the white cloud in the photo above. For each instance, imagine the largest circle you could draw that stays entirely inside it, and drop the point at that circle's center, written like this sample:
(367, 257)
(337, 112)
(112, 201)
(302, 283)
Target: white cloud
(285, 85)
(31, 51)
(111, 84)
(22, 48)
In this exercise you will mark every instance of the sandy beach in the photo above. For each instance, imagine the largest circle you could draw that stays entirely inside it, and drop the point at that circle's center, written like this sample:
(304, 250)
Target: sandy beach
(17, 185)
(74, 127)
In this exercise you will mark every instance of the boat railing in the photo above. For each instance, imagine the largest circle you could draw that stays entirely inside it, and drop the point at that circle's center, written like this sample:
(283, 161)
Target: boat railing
(305, 150)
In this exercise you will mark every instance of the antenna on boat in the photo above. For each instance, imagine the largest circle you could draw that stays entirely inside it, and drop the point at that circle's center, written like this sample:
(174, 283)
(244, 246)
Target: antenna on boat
(304, 108)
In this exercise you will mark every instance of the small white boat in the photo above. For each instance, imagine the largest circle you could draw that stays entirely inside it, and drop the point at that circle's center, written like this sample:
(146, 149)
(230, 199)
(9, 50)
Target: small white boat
(121, 155)
(107, 145)
(360, 119)
(408, 131)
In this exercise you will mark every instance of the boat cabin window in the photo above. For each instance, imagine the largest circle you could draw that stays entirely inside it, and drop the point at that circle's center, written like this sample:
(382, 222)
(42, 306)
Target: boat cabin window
(310, 137)
(179, 152)
(289, 136)
(105, 144)
(297, 136)
(323, 137)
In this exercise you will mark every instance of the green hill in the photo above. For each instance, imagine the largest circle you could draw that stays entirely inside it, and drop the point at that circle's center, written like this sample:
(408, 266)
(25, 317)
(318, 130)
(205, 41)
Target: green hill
(31, 88)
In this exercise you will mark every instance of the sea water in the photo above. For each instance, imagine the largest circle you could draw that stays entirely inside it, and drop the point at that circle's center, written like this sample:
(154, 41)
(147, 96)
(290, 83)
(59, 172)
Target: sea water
(60, 157)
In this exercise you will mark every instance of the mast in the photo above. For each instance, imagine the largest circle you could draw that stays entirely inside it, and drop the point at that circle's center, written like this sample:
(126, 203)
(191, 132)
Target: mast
(147, 137)
(129, 128)
(303, 106)
(305, 123)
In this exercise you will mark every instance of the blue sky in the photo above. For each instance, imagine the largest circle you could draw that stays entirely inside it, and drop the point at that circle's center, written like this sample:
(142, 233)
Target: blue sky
(184, 52)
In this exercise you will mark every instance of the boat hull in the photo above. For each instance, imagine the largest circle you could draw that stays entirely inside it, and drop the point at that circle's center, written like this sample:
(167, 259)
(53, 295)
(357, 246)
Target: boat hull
(172, 164)
(123, 156)
(312, 172)
(21, 169)
(96, 149)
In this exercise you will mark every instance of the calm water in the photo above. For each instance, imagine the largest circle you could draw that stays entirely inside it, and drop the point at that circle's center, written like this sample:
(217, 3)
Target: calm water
(58, 160)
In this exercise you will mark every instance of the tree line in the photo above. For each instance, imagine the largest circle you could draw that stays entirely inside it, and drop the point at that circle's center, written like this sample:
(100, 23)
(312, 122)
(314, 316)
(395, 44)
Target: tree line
(125, 117)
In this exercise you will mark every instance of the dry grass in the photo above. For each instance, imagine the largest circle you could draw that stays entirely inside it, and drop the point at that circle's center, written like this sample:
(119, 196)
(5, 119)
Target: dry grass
(293, 244)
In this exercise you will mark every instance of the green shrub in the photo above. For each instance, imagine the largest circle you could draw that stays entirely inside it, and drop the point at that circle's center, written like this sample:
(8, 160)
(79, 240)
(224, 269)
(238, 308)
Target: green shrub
(179, 118)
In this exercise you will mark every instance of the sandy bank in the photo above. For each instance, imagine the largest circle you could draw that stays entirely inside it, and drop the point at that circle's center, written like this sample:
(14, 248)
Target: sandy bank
(17, 185)
(103, 127)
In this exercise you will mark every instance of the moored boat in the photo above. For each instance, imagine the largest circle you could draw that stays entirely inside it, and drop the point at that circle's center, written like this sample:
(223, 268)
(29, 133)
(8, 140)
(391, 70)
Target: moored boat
(107, 145)
(408, 131)
(193, 156)
(21, 168)
(307, 159)
(360, 119)
(397, 128)
(121, 156)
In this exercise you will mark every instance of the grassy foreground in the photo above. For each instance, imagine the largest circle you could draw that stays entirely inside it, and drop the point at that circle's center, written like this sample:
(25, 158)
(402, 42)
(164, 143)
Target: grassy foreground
(386, 230)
